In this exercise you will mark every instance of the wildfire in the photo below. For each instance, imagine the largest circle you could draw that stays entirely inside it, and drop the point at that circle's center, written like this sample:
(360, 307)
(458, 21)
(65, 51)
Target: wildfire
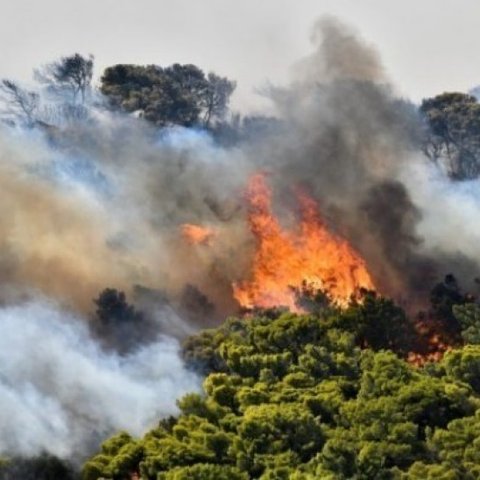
(286, 260)
(197, 234)
(434, 341)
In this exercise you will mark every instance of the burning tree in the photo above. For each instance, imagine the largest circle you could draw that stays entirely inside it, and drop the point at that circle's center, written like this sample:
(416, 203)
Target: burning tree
(285, 260)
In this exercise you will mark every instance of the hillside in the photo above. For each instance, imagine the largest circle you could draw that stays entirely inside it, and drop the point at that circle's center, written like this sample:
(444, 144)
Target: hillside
(301, 397)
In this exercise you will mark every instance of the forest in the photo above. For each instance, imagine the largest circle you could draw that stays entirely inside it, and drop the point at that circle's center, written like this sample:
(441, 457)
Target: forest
(274, 267)
(327, 395)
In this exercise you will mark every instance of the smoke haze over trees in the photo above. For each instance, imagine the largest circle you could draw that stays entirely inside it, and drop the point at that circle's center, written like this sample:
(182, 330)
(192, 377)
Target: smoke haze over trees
(70, 76)
(454, 123)
(100, 283)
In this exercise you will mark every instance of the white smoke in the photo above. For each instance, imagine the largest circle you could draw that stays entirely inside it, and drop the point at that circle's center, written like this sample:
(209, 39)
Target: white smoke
(59, 392)
(449, 209)
(101, 205)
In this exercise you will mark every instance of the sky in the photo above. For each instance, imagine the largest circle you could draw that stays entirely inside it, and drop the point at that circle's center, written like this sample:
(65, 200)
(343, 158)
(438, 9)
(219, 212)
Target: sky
(427, 46)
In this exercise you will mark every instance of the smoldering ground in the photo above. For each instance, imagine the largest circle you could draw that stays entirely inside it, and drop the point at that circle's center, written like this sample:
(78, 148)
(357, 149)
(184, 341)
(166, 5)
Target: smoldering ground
(101, 204)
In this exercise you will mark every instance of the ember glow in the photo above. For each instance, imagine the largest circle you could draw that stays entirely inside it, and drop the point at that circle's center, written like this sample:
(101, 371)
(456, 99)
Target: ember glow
(285, 260)
(197, 234)
(434, 343)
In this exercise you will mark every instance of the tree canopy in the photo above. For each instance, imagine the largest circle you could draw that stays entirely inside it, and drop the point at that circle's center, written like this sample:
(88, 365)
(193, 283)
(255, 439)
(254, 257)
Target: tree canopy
(453, 133)
(178, 94)
(326, 395)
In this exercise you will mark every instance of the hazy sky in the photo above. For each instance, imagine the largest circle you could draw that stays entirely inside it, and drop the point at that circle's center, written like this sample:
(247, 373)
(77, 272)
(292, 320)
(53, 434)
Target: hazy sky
(427, 46)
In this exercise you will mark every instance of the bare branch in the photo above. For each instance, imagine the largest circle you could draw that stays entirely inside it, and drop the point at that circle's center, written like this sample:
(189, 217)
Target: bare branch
(18, 102)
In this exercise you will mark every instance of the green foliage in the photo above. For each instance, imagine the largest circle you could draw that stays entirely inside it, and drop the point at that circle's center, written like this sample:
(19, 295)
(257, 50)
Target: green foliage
(453, 133)
(204, 471)
(469, 317)
(378, 323)
(119, 456)
(464, 365)
(175, 95)
(327, 395)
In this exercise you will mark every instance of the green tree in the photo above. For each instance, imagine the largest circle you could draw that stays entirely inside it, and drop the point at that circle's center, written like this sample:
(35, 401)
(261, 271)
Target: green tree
(174, 95)
(204, 471)
(464, 364)
(326, 395)
(468, 315)
(214, 99)
(452, 135)
(380, 324)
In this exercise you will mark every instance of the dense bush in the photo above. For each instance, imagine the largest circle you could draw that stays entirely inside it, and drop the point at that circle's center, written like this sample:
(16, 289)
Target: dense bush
(302, 397)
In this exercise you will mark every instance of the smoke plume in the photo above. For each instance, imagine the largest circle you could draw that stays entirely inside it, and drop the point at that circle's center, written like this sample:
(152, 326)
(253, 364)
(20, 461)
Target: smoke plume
(104, 203)
(60, 392)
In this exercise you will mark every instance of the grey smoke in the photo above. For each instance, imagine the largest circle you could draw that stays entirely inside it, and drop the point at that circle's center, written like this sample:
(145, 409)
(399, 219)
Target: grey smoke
(100, 204)
(350, 142)
(120, 189)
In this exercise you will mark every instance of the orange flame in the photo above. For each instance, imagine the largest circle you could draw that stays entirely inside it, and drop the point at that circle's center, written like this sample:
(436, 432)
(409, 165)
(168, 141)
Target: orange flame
(197, 234)
(434, 342)
(284, 260)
